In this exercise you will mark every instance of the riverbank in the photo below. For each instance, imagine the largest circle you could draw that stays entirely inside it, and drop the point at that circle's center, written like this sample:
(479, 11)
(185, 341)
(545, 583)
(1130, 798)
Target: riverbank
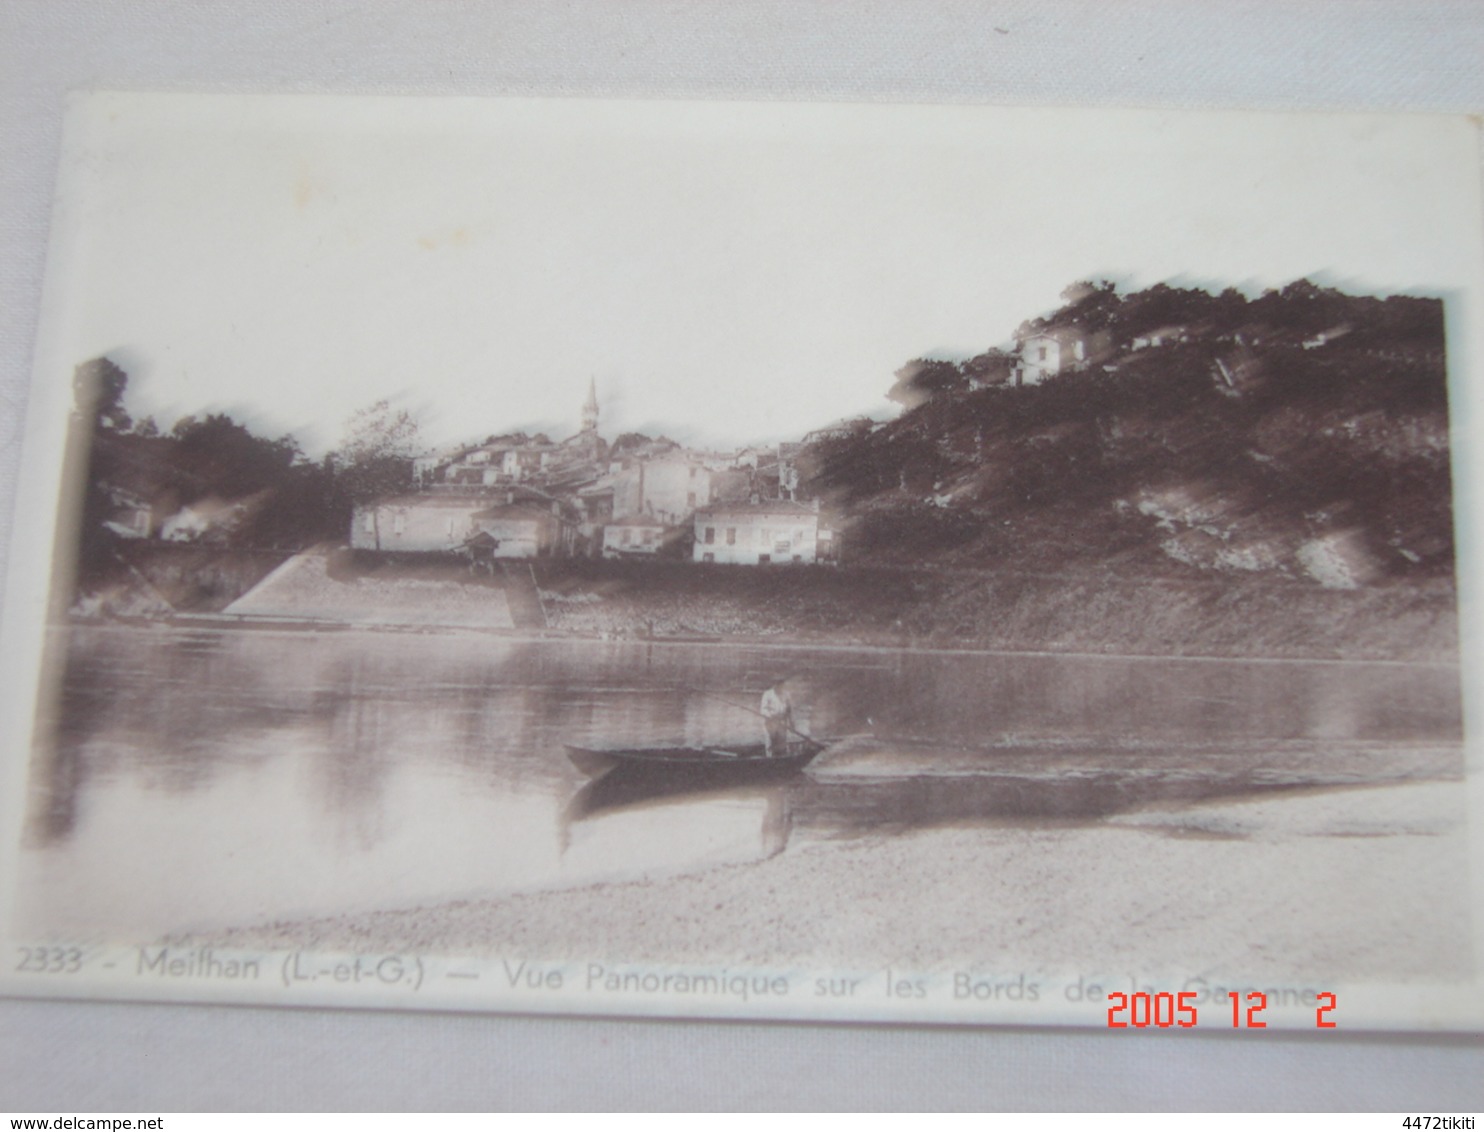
(1001, 611)
(323, 585)
(1004, 610)
(1346, 885)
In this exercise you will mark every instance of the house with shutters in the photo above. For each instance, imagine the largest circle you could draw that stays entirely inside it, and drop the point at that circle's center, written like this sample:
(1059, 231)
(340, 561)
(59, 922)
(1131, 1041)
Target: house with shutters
(526, 528)
(1047, 353)
(415, 524)
(758, 533)
(630, 537)
(522, 522)
(667, 486)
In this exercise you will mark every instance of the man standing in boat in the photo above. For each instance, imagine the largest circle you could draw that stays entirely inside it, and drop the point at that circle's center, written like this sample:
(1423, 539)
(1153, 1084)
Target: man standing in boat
(777, 711)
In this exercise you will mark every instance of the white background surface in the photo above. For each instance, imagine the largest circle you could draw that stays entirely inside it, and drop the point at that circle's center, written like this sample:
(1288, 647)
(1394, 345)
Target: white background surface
(728, 272)
(1371, 55)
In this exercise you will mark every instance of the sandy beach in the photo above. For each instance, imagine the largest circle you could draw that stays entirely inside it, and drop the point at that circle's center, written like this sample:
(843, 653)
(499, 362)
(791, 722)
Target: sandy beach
(1354, 884)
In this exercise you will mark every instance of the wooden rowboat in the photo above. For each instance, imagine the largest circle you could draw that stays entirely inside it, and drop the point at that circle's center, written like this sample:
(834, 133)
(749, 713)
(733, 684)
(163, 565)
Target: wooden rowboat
(745, 762)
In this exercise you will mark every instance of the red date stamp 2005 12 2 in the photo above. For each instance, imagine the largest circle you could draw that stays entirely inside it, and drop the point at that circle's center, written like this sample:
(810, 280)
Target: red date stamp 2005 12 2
(1166, 1009)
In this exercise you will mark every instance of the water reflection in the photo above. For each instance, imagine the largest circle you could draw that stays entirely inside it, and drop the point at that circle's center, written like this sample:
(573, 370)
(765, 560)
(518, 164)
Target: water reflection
(819, 807)
(257, 774)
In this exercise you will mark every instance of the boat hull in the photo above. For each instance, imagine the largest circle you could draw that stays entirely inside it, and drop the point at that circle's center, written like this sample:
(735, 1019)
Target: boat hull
(725, 763)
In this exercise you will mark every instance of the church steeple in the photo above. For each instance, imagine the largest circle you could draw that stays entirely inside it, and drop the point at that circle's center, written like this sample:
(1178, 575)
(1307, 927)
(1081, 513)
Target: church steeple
(590, 407)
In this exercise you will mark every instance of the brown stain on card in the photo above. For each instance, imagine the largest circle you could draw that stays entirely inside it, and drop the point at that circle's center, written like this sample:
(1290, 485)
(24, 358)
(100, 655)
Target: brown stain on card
(460, 237)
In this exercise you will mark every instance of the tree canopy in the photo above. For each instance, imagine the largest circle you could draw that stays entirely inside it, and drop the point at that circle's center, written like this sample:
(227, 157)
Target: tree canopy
(98, 394)
(376, 452)
(921, 379)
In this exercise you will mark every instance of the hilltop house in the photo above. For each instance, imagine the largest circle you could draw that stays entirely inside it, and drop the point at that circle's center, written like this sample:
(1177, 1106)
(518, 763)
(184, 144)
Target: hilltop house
(516, 457)
(1160, 336)
(778, 530)
(1046, 353)
(667, 487)
(840, 430)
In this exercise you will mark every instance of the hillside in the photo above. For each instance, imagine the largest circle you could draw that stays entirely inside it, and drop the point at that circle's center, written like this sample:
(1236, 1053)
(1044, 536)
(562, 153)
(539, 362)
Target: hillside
(1302, 435)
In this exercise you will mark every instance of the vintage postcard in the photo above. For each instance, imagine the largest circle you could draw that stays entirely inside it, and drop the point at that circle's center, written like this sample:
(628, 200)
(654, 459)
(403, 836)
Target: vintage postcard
(927, 564)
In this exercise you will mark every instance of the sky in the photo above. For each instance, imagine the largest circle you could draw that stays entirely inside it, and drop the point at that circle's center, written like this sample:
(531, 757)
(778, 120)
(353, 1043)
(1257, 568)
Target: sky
(724, 273)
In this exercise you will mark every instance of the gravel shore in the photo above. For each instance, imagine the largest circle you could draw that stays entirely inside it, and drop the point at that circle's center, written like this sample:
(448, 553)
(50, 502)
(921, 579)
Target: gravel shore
(1359, 883)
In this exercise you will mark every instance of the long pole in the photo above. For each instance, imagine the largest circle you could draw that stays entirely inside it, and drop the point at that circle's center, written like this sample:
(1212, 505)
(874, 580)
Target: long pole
(740, 707)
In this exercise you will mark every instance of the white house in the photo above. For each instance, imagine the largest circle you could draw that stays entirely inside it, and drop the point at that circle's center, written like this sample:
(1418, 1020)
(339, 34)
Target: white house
(527, 461)
(129, 516)
(667, 487)
(633, 536)
(525, 529)
(778, 530)
(1162, 336)
(415, 523)
(1047, 353)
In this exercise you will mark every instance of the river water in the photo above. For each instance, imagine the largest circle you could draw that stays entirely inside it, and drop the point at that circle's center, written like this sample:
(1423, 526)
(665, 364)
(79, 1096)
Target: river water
(206, 779)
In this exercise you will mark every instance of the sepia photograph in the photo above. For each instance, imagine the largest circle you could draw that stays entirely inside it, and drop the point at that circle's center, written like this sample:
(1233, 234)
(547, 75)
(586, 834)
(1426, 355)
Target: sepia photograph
(831, 562)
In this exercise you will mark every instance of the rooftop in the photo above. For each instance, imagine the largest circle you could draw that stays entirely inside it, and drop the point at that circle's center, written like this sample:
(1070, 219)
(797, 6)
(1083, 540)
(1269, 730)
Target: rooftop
(525, 509)
(764, 507)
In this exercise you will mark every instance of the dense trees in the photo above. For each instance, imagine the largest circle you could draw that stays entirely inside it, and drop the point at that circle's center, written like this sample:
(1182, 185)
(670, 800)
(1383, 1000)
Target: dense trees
(922, 379)
(261, 491)
(1197, 426)
(993, 367)
(98, 411)
(1252, 429)
(219, 452)
(98, 395)
(1115, 321)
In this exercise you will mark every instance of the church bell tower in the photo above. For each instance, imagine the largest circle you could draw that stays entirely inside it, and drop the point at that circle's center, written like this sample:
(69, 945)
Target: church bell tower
(590, 408)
